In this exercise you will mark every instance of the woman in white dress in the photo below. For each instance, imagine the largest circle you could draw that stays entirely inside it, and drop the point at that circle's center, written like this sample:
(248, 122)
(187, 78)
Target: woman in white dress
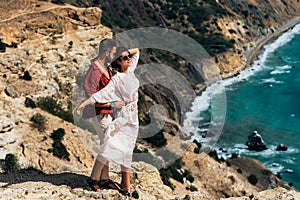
(120, 136)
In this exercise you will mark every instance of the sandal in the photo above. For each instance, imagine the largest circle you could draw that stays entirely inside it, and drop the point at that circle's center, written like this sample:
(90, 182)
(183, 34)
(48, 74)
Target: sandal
(94, 185)
(124, 192)
(133, 194)
(109, 184)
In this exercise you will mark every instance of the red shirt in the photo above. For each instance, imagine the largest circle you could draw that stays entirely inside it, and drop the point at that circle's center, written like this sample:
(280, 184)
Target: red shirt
(94, 81)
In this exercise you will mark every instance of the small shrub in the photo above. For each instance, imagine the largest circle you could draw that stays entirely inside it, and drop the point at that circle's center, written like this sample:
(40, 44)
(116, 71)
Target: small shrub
(70, 44)
(228, 164)
(58, 148)
(252, 179)
(196, 150)
(193, 188)
(199, 145)
(172, 171)
(188, 176)
(29, 103)
(38, 121)
(11, 163)
(50, 105)
(231, 31)
(177, 175)
(214, 155)
(157, 140)
(2, 46)
(232, 179)
(26, 76)
(57, 2)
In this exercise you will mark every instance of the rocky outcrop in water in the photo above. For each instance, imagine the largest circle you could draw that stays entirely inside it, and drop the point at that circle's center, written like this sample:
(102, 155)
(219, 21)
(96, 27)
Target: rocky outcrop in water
(255, 142)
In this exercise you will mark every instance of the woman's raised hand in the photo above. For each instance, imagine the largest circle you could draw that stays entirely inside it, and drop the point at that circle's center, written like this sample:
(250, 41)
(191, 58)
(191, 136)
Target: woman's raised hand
(79, 107)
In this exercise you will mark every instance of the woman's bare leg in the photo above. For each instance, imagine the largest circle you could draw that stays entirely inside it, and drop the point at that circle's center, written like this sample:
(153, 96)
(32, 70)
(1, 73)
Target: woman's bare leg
(125, 178)
(100, 163)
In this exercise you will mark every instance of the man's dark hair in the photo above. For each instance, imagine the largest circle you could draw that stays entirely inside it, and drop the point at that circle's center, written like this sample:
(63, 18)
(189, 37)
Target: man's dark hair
(106, 45)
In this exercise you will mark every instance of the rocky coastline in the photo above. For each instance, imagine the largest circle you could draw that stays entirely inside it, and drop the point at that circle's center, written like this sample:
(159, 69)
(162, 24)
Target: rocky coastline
(252, 54)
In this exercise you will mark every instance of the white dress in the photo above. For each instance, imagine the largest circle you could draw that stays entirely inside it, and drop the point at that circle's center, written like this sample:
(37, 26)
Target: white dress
(121, 134)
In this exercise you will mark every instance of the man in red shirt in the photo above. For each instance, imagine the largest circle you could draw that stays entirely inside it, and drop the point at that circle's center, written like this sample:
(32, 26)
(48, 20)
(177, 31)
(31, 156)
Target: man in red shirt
(97, 77)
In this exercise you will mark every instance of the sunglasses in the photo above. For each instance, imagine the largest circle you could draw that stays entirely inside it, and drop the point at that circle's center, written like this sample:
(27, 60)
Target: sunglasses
(126, 57)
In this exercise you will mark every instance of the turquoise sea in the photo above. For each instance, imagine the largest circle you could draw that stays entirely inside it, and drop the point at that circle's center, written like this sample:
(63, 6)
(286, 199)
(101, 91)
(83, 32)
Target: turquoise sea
(266, 98)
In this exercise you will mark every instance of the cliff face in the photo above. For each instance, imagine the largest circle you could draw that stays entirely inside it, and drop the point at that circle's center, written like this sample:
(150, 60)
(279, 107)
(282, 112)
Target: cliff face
(50, 43)
(43, 46)
(250, 22)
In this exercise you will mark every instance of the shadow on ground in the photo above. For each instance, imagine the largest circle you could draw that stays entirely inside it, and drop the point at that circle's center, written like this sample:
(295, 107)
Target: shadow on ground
(26, 175)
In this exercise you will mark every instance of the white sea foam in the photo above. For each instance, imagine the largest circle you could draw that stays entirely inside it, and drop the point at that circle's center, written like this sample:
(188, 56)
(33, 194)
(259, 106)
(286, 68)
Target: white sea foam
(259, 64)
(202, 102)
(282, 40)
(281, 70)
(274, 167)
(242, 149)
(289, 161)
(270, 80)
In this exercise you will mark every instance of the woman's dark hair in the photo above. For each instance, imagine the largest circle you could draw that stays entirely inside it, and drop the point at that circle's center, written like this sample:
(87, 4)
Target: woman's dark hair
(115, 64)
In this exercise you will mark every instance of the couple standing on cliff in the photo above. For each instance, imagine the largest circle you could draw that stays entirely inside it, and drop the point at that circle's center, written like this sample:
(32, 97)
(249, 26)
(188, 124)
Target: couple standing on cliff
(118, 130)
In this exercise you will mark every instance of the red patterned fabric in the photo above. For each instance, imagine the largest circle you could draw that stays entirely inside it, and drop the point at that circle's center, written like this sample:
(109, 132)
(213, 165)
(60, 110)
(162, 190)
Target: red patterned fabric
(94, 81)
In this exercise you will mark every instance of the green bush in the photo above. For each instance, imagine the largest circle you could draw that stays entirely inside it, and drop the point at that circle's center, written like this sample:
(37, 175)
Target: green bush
(188, 176)
(165, 175)
(29, 103)
(199, 145)
(214, 155)
(58, 2)
(58, 148)
(50, 105)
(172, 172)
(252, 179)
(157, 140)
(11, 163)
(38, 121)
(193, 188)
(196, 150)
(2, 46)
